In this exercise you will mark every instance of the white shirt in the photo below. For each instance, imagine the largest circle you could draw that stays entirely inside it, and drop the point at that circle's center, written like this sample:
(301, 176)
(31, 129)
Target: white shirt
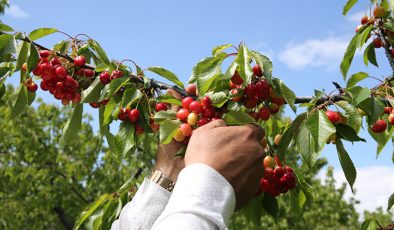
(202, 199)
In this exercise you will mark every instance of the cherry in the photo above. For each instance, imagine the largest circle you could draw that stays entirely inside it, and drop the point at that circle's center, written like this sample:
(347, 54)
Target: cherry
(278, 100)
(134, 115)
(186, 102)
(358, 28)
(154, 126)
(76, 98)
(116, 74)
(250, 90)
(192, 119)
(178, 136)
(279, 171)
(334, 117)
(208, 112)
(255, 115)
(32, 87)
(105, 78)
(161, 106)
(257, 70)
(262, 89)
(196, 107)
(202, 121)
(88, 72)
(55, 61)
(235, 99)
(104, 102)
(191, 89)
(138, 129)
(186, 129)
(24, 67)
(236, 78)
(273, 108)
(277, 139)
(65, 101)
(264, 114)
(364, 19)
(269, 162)
(123, 114)
(379, 126)
(45, 53)
(269, 173)
(93, 104)
(182, 114)
(388, 110)
(251, 102)
(44, 85)
(80, 61)
(232, 85)
(392, 53)
(206, 101)
(61, 72)
(378, 12)
(377, 43)
(391, 119)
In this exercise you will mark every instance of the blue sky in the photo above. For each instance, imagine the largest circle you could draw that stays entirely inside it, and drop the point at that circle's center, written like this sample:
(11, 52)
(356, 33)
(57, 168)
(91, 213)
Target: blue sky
(305, 39)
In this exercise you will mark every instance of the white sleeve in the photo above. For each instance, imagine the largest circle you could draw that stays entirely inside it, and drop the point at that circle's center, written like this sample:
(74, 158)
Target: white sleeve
(147, 204)
(202, 199)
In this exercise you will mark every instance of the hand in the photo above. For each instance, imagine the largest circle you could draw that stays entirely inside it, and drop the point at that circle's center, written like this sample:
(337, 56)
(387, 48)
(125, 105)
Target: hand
(167, 162)
(235, 152)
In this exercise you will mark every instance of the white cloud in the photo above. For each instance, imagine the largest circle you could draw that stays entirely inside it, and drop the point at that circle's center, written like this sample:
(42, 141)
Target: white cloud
(356, 17)
(325, 53)
(374, 185)
(16, 12)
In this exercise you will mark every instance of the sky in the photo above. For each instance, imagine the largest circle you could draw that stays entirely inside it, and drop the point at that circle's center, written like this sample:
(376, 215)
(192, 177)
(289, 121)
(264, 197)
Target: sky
(305, 39)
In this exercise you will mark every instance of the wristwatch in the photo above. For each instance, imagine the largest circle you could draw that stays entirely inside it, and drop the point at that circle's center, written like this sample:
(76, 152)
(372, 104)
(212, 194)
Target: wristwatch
(159, 178)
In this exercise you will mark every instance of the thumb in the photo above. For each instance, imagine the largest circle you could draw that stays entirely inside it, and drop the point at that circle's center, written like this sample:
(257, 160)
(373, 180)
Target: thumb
(214, 124)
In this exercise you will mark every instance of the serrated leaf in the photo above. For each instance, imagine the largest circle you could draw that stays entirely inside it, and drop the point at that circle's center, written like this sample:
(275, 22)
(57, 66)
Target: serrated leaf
(92, 93)
(244, 68)
(7, 46)
(230, 70)
(167, 75)
(348, 56)
(124, 139)
(270, 205)
(23, 51)
(364, 34)
(90, 210)
(355, 78)
(5, 28)
(109, 109)
(381, 138)
(72, 126)
(62, 46)
(286, 92)
(33, 58)
(373, 107)
(359, 94)
(369, 55)
(290, 133)
(265, 64)
(238, 118)
(218, 99)
(346, 163)
(167, 130)
(320, 128)
(116, 84)
(348, 6)
(370, 224)
(390, 202)
(348, 133)
(163, 116)
(20, 102)
(100, 52)
(253, 211)
(41, 32)
(130, 96)
(169, 99)
(354, 119)
(219, 49)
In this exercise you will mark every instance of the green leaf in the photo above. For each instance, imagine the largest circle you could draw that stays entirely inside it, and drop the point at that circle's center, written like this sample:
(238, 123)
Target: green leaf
(169, 99)
(355, 78)
(390, 202)
(92, 93)
(32, 60)
(359, 94)
(348, 133)
(124, 139)
(5, 28)
(100, 52)
(20, 102)
(163, 116)
(130, 96)
(62, 47)
(72, 126)
(244, 68)
(306, 145)
(289, 134)
(167, 130)
(219, 49)
(364, 34)
(346, 163)
(167, 75)
(2, 90)
(7, 46)
(270, 205)
(287, 93)
(109, 109)
(265, 63)
(30, 97)
(41, 32)
(218, 99)
(354, 119)
(253, 211)
(369, 55)
(116, 84)
(320, 128)
(373, 107)
(348, 56)
(370, 224)
(238, 118)
(348, 6)
(381, 138)
(23, 51)
(90, 210)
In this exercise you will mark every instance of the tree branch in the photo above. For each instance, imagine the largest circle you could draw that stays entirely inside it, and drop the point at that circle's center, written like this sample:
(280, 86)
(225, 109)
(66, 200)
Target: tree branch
(63, 218)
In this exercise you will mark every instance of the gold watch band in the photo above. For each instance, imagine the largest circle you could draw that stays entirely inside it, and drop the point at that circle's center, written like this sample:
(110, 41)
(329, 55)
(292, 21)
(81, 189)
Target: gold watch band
(159, 178)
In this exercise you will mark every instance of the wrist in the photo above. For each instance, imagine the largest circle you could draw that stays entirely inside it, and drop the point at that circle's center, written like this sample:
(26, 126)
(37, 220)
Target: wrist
(170, 171)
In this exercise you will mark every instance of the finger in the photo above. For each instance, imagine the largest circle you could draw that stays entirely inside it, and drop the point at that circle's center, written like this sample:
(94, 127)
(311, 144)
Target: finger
(214, 124)
(174, 93)
(258, 132)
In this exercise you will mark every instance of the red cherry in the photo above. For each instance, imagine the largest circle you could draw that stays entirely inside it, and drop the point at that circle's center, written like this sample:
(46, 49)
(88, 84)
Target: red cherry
(65, 101)
(269, 173)
(391, 119)
(94, 104)
(61, 72)
(202, 121)
(104, 102)
(196, 107)
(251, 102)
(55, 61)
(264, 113)
(250, 90)
(288, 169)
(123, 114)
(134, 115)
(191, 89)
(364, 19)
(379, 127)
(44, 85)
(80, 61)
(279, 171)
(278, 100)
(208, 112)
(262, 89)
(186, 129)
(32, 87)
(236, 78)
(274, 108)
(377, 43)
(88, 72)
(186, 102)
(232, 85)
(388, 110)
(255, 115)
(76, 98)
(116, 74)
(334, 117)
(161, 106)
(257, 70)
(45, 53)
(182, 114)
(236, 99)
(206, 101)
(48, 72)
(104, 78)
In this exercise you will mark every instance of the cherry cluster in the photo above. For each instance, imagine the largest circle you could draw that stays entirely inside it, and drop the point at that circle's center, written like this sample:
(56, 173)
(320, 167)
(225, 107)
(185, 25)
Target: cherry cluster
(258, 92)
(277, 179)
(131, 115)
(61, 81)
